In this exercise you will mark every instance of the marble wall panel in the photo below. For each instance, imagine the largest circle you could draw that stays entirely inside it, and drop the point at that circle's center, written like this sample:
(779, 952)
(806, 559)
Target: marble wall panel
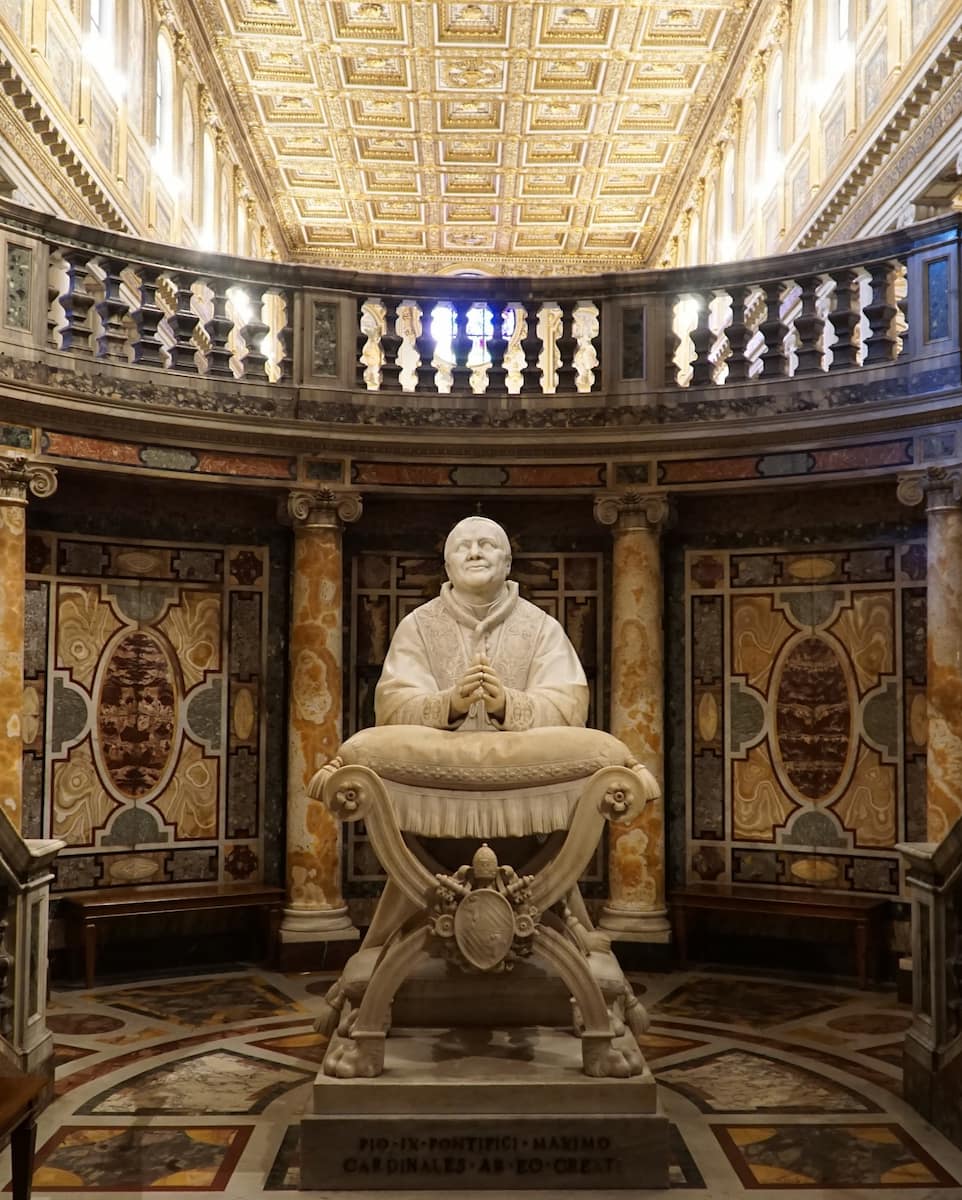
(805, 718)
(146, 672)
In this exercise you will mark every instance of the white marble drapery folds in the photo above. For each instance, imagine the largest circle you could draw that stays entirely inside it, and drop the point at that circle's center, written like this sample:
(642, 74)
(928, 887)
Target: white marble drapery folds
(433, 646)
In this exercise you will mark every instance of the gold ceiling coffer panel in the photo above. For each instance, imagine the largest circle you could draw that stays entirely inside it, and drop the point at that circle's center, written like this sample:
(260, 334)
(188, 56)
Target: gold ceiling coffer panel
(506, 100)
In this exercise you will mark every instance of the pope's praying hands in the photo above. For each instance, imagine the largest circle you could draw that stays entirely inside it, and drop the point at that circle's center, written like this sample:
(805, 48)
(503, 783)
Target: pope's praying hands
(479, 682)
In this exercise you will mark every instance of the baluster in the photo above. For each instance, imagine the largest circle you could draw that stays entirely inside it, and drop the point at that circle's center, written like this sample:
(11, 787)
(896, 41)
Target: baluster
(112, 309)
(76, 302)
(253, 332)
(774, 330)
(282, 368)
(147, 347)
(515, 358)
(461, 346)
(809, 326)
(567, 346)
(408, 326)
(672, 344)
(845, 320)
(880, 310)
(372, 327)
(424, 346)
(390, 344)
(549, 331)
(219, 327)
(738, 336)
(702, 340)
(496, 346)
(182, 324)
(585, 329)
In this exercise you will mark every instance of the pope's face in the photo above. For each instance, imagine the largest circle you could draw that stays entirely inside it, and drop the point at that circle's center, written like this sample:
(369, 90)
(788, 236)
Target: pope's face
(476, 559)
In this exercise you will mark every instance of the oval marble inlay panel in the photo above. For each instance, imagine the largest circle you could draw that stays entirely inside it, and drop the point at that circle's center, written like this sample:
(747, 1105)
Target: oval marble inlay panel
(139, 562)
(243, 715)
(814, 870)
(30, 714)
(811, 568)
(919, 720)
(133, 869)
(707, 717)
(137, 714)
(813, 717)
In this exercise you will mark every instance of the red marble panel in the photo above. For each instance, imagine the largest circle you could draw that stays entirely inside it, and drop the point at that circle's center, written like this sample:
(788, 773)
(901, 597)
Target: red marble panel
(64, 445)
(707, 470)
(411, 474)
(558, 475)
(813, 718)
(254, 466)
(856, 458)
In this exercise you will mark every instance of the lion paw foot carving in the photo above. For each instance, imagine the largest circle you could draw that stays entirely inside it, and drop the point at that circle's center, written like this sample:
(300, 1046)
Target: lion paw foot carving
(348, 1059)
(601, 1060)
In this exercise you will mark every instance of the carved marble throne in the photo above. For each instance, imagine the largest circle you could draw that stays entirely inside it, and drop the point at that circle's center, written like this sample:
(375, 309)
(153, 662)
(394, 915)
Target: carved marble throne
(553, 787)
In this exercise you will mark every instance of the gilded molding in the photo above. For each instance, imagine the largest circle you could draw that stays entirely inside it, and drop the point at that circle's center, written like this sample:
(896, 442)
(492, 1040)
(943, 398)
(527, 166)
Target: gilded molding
(939, 487)
(20, 475)
(623, 512)
(323, 508)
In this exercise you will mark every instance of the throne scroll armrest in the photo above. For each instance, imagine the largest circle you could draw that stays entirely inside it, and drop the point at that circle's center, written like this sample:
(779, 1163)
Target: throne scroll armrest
(354, 793)
(616, 794)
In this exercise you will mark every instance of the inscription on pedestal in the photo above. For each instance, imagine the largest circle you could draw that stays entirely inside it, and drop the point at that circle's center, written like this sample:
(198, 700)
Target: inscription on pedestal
(368, 1152)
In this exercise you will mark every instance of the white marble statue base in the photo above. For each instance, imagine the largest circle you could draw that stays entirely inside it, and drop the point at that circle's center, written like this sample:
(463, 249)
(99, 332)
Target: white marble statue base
(498, 1109)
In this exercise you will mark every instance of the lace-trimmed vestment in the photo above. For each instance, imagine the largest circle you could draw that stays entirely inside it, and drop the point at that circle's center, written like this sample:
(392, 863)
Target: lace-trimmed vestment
(435, 644)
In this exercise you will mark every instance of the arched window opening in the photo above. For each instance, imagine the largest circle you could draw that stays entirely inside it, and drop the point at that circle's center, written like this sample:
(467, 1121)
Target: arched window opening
(164, 108)
(208, 189)
(187, 151)
(100, 45)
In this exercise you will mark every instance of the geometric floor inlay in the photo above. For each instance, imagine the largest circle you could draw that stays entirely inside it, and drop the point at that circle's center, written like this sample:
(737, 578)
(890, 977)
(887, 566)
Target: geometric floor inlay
(213, 1083)
(891, 1052)
(871, 1023)
(742, 1081)
(310, 1046)
(829, 1156)
(132, 1158)
(738, 1002)
(204, 1001)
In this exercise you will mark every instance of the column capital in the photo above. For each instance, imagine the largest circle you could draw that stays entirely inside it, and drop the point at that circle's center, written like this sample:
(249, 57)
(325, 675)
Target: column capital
(631, 510)
(323, 508)
(19, 474)
(939, 487)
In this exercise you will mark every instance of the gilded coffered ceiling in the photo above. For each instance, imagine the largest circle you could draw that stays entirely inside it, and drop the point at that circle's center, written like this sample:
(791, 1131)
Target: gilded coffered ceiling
(511, 137)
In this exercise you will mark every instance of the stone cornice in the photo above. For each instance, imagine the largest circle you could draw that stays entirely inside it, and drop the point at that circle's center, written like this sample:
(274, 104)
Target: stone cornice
(909, 132)
(33, 115)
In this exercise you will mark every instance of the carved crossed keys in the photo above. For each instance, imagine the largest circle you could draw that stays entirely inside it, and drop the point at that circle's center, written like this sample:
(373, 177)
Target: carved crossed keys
(484, 917)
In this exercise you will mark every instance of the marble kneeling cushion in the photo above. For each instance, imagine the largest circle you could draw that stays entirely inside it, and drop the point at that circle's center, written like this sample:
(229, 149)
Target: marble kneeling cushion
(486, 785)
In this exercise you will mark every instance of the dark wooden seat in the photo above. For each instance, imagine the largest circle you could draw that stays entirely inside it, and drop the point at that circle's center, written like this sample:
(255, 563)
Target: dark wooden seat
(84, 911)
(862, 912)
(21, 1100)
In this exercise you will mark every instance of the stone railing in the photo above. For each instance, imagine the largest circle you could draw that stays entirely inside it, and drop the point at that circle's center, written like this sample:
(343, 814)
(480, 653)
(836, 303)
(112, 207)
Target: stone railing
(25, 876)
(933, 1045)
(101, 316)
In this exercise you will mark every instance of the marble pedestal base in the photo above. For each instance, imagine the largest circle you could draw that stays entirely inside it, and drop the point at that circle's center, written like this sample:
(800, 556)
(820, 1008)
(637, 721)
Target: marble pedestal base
(484, 1109)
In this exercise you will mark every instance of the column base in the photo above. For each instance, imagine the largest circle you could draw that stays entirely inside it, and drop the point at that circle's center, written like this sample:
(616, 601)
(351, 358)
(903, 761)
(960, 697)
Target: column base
(318, 925)
(626, 924)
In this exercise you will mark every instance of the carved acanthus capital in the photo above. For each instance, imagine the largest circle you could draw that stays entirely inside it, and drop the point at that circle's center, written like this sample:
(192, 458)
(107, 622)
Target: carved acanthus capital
(323, 508)
(939, 487)
(624, 511)
(18, 475)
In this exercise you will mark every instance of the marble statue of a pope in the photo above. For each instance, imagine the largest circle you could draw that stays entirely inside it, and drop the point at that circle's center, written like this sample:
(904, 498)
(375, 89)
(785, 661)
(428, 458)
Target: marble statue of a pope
(478, 656)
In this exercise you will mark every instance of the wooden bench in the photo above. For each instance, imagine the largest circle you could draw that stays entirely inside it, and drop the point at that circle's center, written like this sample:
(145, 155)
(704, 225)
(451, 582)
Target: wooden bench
(21, 1099)
(862, 912)
(84, 911)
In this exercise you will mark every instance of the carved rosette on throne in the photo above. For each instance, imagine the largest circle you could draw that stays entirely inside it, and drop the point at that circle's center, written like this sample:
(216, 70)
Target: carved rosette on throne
(483, 1004)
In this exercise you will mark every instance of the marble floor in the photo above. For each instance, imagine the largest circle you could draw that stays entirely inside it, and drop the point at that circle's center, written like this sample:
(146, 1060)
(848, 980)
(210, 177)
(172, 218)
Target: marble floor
(189, 1087)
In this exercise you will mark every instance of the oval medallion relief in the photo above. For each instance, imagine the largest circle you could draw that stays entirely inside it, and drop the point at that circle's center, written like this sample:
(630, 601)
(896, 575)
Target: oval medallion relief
(137, 719)
(484, 928)
(813, 718)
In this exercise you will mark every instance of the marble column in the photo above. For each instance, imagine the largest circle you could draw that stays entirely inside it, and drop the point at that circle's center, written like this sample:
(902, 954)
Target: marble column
(941, 489)
(18, 476)
(636, 908)
(315, 910)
